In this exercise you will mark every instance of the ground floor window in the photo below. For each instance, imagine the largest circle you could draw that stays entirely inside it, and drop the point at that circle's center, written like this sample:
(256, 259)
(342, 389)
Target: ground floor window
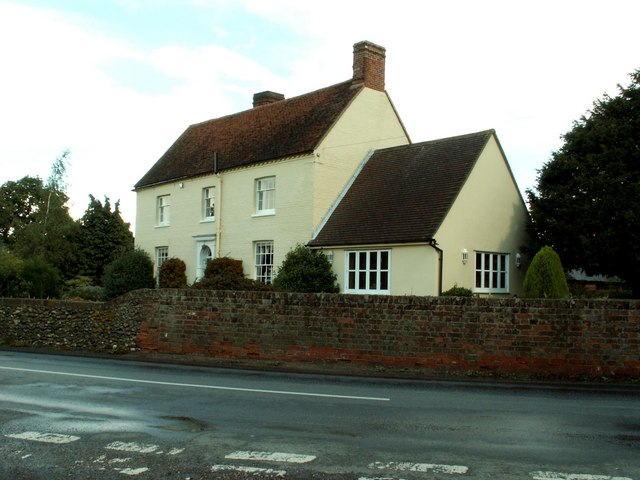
(492, 272)
(368, 271)
(162, 254)
(264, 261)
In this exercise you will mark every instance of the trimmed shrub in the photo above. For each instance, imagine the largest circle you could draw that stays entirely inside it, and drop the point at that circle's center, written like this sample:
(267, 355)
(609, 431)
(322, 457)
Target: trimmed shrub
(457, 291)
(87, 292)
(545, 276)
(132, 270)
(173, 274)
(226, 273)
(306, 271)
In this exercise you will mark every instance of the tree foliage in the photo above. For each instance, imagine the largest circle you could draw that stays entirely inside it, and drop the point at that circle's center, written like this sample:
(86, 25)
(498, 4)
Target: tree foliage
(102, 236)
(545, 276)
(306, 270)
(11, 282)
(586, 204)
(132, 270)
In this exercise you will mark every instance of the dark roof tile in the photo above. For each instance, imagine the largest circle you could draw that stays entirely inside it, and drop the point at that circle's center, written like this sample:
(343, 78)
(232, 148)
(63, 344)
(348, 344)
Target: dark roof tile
(403, 193)
(281, 129)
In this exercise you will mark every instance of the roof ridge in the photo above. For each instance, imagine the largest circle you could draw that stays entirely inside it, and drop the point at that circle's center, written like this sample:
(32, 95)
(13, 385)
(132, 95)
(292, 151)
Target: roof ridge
(262, 107)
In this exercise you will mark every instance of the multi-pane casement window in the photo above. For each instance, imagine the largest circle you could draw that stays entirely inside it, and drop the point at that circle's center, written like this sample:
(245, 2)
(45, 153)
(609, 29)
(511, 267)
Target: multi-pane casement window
(368, 271)
(492, 272)
(162, 254)
(266, 196)
(164, 208)
(208, 203)
(264, 261)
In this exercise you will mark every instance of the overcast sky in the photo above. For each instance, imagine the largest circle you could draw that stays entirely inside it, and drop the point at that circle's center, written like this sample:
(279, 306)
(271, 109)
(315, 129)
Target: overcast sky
(117, 81)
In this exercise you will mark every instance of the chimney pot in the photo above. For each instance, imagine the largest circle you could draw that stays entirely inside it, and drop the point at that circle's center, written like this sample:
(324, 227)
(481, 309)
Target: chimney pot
(265, 98)
(368, 65)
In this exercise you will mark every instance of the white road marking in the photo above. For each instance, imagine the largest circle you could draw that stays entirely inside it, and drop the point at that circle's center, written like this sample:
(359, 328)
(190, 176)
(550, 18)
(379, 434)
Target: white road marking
(210, 387)
(572, 476)
(251, 470)
(271, 457)
(132, 471)
(132, 447)
(420, 467)
(44, 437)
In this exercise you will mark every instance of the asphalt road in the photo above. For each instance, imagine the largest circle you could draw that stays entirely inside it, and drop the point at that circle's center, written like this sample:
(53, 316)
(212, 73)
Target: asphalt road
(73, 417)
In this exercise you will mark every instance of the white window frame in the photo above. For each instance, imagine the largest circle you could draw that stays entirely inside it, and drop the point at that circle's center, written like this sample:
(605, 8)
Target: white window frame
(366, 271)
(265, 195)
(491, 272)
(162, 255)
(164, 210)
(209, 204)
(263, 261)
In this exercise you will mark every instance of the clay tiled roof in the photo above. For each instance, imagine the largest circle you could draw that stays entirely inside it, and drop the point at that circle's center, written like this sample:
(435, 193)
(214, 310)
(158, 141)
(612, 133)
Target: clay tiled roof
(403, 194)
(282, 129)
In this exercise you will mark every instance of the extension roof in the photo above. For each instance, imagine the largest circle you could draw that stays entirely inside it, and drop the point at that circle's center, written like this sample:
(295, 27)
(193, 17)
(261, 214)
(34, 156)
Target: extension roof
(402, 194)
(282, 129)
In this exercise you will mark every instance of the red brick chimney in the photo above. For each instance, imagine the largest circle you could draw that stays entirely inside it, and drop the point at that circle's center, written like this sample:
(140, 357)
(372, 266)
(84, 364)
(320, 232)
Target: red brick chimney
(265, 98)
(368, 65)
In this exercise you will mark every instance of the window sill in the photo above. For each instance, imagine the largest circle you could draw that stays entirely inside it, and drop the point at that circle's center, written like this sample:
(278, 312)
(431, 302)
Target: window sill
(163, 225)
(208, 220)
(264, 213)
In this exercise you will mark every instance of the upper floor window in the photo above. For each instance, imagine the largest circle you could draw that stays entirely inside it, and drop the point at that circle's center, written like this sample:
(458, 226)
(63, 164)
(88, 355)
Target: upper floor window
(266, 196)
(164, 208)
(208, 203)
(368, 271)
(264, 261)
(492, 272)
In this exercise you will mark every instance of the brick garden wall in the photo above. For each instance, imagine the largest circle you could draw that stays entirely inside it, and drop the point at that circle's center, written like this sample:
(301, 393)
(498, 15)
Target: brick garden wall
(539, 337)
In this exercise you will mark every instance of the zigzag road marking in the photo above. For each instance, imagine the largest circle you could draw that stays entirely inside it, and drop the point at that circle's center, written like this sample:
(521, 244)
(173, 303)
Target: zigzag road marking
(271, 457)
(44, 437)
(420, 467)
(268, 472)
(572, 476)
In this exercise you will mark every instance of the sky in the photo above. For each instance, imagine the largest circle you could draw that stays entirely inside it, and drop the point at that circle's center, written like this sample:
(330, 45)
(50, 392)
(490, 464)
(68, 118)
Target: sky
(116, 82)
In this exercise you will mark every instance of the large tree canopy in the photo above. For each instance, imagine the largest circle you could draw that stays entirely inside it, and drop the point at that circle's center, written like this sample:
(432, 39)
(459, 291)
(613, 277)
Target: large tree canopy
(586, 204)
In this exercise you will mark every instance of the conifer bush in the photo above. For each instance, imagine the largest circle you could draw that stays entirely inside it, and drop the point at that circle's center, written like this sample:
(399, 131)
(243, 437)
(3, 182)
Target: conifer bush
(173, 273)
(545, 276)
(305, 270)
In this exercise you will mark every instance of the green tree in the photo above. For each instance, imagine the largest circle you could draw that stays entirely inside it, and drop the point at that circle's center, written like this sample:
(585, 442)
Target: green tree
(11, 282)
(586, 204)
(545, 276)
(35, 220)
(102, 236)
(132, 270)
(306, 270)
(41, 278)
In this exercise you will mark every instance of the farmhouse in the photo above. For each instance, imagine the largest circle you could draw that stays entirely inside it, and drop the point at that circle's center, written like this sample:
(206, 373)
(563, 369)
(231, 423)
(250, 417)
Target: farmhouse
(335, 169)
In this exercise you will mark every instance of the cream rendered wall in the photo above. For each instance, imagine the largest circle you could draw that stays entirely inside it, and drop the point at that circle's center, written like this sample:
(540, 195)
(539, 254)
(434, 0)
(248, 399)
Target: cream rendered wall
(489, 215)
(186, 219)
(413, 268)
(370, 122)
(291, 223)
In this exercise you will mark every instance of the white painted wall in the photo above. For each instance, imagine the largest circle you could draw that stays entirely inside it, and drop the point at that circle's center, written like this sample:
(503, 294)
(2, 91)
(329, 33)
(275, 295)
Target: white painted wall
(489, 215)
